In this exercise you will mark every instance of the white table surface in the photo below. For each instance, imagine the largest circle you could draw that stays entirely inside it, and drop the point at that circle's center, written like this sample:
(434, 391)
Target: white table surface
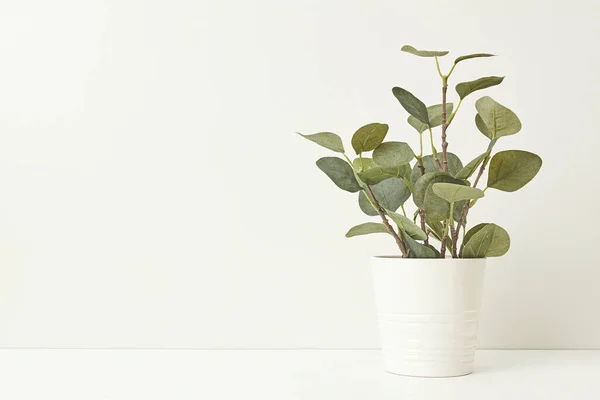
(287, 374)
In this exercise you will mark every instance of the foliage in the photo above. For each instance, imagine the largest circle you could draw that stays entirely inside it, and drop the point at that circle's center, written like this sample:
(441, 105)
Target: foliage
(387, 174)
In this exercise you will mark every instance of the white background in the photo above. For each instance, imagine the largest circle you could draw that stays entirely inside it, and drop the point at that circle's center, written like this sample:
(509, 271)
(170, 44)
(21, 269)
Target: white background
(154, 193)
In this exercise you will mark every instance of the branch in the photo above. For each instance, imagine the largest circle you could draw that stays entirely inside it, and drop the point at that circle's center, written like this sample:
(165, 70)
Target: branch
(481, 169)
(466, 208)
(387, 224)
(444, 239)
(421, 166)
(444, 155)
(422, 212)
(423, 227)
(444, 124)
(434, 152)
(453, 235)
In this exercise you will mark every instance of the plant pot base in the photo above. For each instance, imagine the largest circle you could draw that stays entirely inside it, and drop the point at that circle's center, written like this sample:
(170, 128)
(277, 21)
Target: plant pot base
(428, 373)
(427, 376)
(428, 313)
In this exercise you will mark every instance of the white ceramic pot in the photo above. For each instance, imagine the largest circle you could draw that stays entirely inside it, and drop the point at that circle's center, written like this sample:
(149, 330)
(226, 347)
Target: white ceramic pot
(428, 313)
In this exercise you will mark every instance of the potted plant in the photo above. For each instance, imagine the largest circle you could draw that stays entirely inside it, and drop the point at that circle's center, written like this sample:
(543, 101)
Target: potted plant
(428, 296)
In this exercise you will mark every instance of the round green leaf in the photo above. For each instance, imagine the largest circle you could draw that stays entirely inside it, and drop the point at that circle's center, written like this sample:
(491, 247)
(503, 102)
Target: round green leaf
(391, 193)
(434, 113)
(423, 53)
(486, 240)
(499, 120)
(452, 192)
(420, 187)
(411, 104)
(392, 154)
(454, 165)
(340, 172)
(472, 231)
(510, 170)
(366, 229)
(371, 173)
(365, 205)
(402, 171)
(328, 140)
(369, 137)
(407, 225)
(466, 88)
(437, 208)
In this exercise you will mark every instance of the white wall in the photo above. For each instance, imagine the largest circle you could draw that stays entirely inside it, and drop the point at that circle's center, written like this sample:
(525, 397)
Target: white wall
(154, 193)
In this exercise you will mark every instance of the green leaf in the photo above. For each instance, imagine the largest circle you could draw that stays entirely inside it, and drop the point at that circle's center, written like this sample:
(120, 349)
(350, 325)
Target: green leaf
(369, 137)
(500, 120)
(466, 88)
(416, 249)
(392, 154)
(407, 225)
(328, 140)
(403, 171)
(470, 168)
(366, 229)
(365, 205)
(436, 208)
(454, 165)
(340, 172)
(452, 192)
(391, 193)
(469, 56)
(420, 187)
(483, 127)
(411, 104)
(371, 173)
(485, 240)
(423, 53)
(434, 113)
(510, 170)
(471, 232)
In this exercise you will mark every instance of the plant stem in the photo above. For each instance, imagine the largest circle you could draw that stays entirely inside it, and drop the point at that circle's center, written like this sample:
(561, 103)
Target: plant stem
(465, 210)
(453, 235)
(422, 212)
(387, 224)
(444, 240)
(444, 154)
(451, 70)
(444, 124)
(420, 164)
(438, 164)
(437, 64)
(451, 118)
(423, 227)
(434, 151)
(347, 159)
(481, 169)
